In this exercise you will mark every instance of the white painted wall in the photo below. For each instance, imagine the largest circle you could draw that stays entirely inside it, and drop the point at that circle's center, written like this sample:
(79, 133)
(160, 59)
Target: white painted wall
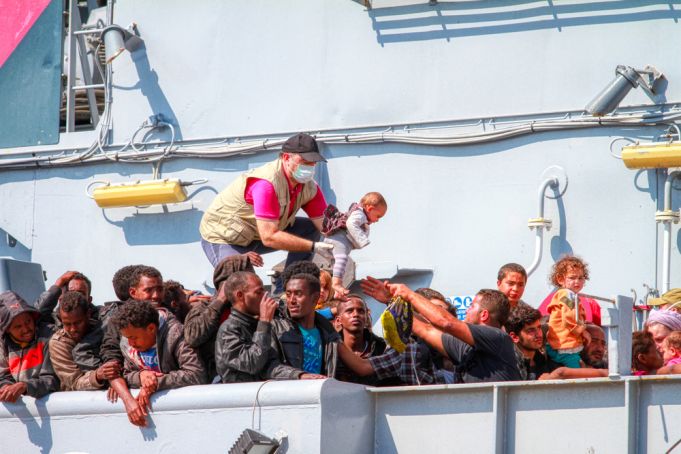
(262, 68)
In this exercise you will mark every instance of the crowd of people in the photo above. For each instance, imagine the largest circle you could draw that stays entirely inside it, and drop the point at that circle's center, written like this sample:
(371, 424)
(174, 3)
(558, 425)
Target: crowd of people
(158, 335)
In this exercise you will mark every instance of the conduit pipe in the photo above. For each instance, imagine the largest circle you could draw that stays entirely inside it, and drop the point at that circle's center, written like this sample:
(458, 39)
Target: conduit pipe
(666, 217)
(552, 179)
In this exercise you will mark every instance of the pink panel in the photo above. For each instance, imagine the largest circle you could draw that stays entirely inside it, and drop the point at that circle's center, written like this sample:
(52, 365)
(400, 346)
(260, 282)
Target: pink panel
(16, 19)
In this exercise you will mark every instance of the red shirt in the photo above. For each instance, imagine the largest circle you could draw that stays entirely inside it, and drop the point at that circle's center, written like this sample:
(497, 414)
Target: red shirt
(261, 194)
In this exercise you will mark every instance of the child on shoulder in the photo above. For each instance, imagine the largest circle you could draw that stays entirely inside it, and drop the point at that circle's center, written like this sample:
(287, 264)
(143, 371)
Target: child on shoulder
(572, 273)
(567, 312)
(353, 235)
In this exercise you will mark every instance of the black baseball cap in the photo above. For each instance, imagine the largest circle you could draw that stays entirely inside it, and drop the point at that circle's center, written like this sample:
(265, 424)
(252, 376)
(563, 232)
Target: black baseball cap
(305, 145)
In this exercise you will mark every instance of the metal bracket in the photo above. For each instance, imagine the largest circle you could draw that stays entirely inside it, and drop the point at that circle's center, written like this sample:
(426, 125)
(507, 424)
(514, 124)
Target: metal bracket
(667, 216)
(540, 223)
(559, 173)
(655, 77)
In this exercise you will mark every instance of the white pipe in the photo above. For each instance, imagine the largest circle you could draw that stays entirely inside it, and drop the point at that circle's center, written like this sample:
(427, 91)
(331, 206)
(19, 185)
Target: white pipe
(538, 249)
(539, 238)
(666, 256)
(667, 233)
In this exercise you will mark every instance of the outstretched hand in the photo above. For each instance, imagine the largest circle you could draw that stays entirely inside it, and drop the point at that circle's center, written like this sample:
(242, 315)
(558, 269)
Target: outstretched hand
(255, 258)
(376, 289)
(340, 292)
(400, 290)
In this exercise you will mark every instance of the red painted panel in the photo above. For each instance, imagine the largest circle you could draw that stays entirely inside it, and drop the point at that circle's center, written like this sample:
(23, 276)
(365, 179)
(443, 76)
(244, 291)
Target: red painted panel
(16, 19)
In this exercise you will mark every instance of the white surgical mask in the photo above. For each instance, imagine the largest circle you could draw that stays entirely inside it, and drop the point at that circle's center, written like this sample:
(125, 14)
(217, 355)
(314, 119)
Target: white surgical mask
(303, 173)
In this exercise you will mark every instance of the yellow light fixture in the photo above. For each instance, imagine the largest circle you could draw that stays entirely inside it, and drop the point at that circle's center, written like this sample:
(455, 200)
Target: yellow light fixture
(657, 155)
(140, 193)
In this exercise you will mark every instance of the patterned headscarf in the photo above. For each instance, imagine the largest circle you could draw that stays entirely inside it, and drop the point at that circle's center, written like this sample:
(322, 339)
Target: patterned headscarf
(670, 319)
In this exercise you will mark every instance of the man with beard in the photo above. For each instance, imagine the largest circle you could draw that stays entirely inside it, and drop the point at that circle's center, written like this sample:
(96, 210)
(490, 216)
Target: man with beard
(524, 328)
(593, 354)
(242, 347)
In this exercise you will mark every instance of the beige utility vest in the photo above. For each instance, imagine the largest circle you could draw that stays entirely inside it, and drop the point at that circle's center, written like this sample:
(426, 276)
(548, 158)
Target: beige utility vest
(230, 220)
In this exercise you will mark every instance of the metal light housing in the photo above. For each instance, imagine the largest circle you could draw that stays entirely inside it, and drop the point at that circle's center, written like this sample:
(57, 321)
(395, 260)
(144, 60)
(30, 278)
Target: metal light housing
(625, 79)
(117, 39)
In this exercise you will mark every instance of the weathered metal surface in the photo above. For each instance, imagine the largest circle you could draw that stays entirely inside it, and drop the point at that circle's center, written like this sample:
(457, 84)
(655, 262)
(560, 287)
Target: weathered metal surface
(628, 415)
(318, 416)
(30, 72)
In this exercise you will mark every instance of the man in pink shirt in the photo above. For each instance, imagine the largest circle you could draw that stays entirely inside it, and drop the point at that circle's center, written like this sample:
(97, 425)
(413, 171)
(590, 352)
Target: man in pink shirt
(257, 211)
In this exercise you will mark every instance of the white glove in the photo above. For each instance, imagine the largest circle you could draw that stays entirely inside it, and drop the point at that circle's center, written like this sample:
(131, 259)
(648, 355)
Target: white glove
(325, 250)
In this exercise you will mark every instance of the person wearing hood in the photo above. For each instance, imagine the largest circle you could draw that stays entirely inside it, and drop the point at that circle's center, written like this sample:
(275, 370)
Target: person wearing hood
(25, 366)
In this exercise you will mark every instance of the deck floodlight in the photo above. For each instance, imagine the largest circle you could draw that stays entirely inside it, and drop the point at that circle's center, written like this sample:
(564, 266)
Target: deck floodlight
(254, 442)
(117, 39)
(626, 78)
(139, 193)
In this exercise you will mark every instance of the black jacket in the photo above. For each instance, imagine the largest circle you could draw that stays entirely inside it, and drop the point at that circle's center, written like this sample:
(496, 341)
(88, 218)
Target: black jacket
(243, 348)
(110, 349)
(180, 364)
(287, 342)
(201, 329)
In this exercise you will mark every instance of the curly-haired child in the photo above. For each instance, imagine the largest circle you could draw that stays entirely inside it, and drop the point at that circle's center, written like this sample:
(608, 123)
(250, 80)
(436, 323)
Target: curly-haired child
(572, 272)
(567, 312)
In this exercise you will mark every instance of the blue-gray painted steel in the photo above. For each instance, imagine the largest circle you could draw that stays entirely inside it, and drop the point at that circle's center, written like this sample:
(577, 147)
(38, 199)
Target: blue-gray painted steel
(30, 84)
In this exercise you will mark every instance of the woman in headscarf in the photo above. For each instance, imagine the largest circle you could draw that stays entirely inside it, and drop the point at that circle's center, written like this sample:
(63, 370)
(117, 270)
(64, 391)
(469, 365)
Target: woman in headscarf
(661, 323)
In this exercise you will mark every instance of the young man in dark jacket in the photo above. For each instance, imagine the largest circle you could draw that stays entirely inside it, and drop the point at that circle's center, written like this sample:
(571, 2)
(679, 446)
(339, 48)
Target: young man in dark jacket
(86, 352)
(145, 283)
(25, 366)
(305, 343)
(243, 345)
(156, 357)
(205, 317)
(78, 325)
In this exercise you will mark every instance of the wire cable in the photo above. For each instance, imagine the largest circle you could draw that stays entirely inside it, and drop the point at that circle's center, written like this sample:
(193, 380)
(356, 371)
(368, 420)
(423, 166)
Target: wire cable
(492, 131)
(257, 402)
